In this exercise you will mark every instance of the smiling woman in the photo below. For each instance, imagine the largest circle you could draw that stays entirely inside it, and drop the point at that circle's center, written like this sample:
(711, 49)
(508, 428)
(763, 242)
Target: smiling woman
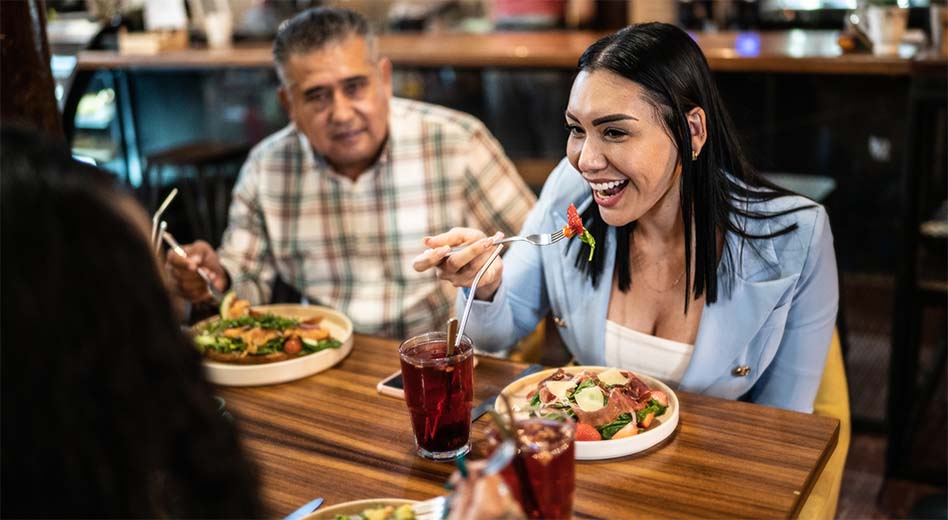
(706, 276)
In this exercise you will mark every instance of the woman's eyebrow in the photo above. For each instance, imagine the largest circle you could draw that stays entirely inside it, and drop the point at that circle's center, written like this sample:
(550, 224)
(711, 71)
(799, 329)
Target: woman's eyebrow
(611, 118)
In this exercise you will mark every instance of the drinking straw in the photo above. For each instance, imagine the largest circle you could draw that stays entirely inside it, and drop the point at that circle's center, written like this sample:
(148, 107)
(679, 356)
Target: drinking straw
(470, 296)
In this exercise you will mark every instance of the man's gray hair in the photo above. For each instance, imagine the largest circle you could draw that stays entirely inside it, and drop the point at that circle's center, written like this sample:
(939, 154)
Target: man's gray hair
(314, 28)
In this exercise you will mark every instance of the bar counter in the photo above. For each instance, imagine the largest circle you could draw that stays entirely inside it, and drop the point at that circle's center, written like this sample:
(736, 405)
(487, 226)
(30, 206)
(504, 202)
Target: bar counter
(795, 51)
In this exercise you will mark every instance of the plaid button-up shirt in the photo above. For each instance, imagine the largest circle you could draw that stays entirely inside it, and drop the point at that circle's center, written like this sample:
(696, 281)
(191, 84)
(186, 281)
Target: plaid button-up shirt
(349, 244)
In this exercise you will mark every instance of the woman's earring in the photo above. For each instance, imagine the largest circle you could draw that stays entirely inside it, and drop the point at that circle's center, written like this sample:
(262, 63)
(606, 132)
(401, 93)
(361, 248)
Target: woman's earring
(694, 155)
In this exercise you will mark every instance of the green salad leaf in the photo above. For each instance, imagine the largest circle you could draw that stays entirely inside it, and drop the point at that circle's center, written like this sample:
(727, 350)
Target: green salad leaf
(323, 344)
(653, 406)
(266, 321)
(610, 429)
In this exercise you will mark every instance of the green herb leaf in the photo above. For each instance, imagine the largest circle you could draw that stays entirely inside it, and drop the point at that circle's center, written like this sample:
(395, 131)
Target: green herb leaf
(587, 238)
(610, 429)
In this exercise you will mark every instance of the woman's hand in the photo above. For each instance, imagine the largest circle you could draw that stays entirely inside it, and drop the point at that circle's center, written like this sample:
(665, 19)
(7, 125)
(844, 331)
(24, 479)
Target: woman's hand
(482, 497)
(460, 268)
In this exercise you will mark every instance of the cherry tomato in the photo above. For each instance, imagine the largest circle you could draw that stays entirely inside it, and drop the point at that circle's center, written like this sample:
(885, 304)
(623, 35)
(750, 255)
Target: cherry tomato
(292, 345)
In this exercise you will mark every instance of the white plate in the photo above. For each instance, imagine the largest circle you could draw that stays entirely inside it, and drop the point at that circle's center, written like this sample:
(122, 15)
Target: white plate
(354, 508)
(337, 324)
(595, 450)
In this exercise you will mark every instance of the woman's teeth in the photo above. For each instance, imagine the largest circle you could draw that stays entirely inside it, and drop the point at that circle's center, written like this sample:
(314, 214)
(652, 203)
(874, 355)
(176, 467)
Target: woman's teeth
(605, 189)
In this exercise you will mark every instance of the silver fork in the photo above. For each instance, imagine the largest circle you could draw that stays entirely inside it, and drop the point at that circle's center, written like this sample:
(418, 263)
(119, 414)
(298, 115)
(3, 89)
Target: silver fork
(539, 239)
(176, 247)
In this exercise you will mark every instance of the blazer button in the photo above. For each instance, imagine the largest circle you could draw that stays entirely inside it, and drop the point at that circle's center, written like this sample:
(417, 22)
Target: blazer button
(741, 371)
(559, 322)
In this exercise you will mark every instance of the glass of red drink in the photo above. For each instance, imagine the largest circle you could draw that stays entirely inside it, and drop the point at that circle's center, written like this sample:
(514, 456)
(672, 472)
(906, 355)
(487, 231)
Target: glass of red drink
(439, 390)
(542, 476)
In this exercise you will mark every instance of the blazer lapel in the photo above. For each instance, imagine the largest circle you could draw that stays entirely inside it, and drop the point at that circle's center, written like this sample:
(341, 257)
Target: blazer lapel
(746, 300)
(727, 328)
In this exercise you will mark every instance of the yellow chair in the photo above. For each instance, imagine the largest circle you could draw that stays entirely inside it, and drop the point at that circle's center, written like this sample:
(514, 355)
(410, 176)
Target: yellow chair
(832, 400)
(530, 348)
(543, 346)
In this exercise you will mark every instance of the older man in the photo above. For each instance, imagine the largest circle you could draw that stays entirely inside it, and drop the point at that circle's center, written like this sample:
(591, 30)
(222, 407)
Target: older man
(338, 202)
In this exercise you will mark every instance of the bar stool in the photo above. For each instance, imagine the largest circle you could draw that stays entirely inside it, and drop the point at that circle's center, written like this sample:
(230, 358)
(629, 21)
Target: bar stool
(204, 172)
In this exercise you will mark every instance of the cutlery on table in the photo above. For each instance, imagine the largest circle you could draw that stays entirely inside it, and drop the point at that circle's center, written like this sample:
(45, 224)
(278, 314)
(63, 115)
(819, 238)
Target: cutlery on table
(488, 404)
(305, 509)
(176, 247)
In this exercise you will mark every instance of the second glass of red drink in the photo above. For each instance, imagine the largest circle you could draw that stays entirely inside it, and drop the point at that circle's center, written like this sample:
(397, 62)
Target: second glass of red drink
(542, 477)
(439, 391)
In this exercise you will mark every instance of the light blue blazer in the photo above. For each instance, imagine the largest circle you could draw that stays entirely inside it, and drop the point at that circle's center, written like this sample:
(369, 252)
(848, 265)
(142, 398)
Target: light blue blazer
(775, 314)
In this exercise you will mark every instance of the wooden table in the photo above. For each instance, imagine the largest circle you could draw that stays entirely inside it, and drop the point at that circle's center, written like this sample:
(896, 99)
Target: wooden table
(333, 435)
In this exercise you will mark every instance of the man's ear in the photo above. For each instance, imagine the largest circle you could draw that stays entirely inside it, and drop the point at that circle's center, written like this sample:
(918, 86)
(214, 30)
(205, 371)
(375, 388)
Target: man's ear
(698, 128)
(385, 69)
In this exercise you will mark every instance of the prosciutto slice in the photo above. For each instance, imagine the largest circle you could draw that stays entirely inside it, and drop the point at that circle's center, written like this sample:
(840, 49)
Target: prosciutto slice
(619, 402)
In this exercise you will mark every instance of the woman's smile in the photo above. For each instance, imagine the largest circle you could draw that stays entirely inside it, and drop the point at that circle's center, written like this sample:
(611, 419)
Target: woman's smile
(608, 193)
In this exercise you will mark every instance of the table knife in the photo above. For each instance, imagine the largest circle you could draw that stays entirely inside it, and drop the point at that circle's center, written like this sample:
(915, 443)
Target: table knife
(488, 404)
(305, 509)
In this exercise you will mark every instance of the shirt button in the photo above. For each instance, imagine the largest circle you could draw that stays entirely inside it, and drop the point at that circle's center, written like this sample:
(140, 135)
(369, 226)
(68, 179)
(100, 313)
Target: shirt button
(741, 371)
(559, 322)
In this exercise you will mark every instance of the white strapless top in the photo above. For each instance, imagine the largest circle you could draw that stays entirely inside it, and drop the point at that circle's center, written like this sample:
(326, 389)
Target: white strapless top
(636, 351)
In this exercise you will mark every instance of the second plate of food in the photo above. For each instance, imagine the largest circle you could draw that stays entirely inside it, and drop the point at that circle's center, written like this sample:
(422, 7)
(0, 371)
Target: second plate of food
(664, 424)
(376, 509)
(241, 373)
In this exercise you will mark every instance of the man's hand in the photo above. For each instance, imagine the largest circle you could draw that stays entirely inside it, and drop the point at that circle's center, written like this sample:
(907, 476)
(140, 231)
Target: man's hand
(190, 285)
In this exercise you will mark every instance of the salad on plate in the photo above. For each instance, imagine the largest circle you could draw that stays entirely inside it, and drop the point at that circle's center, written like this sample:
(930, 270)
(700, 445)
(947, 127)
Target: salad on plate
(611, 404)
(245, 336)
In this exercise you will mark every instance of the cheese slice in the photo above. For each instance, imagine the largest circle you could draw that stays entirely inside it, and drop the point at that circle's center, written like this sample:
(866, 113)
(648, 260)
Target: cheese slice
(590, 399)
(612, 376)
(560, 388)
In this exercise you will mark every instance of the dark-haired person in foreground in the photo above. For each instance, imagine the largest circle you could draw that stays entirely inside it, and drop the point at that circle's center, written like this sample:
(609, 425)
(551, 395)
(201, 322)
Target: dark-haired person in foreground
(105, 409)
(338, 201)
(704, 275)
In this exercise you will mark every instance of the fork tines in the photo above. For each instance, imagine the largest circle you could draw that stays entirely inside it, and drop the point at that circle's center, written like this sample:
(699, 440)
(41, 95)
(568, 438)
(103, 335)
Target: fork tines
(556, 235)
(433, 509)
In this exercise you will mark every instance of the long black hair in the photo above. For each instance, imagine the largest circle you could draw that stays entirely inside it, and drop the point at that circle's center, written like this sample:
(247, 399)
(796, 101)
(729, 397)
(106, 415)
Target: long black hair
(105, 408)
(675, 75)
